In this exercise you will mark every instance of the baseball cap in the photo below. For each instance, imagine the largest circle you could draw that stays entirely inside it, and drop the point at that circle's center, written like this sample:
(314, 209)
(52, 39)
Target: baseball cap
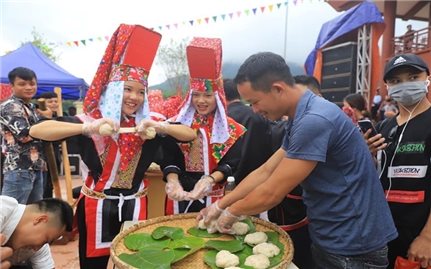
(408, 59)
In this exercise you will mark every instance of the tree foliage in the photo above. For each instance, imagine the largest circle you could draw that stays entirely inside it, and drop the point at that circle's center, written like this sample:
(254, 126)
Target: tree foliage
(172, 58)
(40, 43)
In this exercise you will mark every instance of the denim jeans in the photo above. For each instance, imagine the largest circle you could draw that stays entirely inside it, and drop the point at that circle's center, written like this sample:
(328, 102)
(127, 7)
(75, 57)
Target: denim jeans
(375, 259)
(26, 186)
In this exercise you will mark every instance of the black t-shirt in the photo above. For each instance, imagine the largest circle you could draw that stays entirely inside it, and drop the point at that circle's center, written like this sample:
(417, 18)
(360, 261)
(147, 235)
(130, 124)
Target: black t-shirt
(407, 175)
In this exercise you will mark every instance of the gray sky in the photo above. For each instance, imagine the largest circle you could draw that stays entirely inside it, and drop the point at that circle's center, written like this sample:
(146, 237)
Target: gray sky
(60, 21)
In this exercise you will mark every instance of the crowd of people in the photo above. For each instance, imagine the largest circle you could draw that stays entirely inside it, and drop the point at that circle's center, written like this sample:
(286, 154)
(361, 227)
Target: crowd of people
(347, 198)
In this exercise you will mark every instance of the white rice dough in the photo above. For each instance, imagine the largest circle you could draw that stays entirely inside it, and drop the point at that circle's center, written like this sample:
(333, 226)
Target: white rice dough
(267, 249)
(106, 130)
(255, 238)
(150, 132)
(240, 228)
(226, 259)
(258, 261)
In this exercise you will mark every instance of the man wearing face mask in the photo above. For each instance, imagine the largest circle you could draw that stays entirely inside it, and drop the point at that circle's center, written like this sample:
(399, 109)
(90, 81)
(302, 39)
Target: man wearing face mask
(405, 159)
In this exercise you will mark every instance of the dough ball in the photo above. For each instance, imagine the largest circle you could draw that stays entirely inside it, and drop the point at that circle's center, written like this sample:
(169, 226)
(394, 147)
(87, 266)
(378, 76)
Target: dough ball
(240, 228)
(201, 225)
(226, 259)
(258, 261)
(267, 249)
(150, 133)
(106, 130)
(255, 238)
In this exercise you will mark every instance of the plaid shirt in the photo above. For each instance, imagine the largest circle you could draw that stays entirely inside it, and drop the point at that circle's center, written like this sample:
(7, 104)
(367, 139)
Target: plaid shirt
(21, 151)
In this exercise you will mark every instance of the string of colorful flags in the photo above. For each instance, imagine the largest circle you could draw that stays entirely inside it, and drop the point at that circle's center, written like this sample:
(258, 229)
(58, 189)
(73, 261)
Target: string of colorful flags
(190, 23)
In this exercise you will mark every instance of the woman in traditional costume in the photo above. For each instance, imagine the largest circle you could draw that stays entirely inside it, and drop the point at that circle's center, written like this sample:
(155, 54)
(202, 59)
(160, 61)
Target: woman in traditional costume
(198, 170)
(117, 145)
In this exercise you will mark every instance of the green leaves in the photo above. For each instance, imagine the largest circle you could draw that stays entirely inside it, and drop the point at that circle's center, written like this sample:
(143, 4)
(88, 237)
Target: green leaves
(144, 241)
(149, 258)
(202, 233)
(171, 232)
(273, 238)
(166, 244)
(229, 245)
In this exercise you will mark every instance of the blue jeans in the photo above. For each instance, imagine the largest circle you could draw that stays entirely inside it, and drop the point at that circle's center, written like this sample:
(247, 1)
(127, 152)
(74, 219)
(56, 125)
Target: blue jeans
(26, 186)
(375, 259)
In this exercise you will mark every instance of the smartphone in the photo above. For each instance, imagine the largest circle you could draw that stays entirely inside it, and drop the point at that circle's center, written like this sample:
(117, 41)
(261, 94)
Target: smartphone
(365, 125)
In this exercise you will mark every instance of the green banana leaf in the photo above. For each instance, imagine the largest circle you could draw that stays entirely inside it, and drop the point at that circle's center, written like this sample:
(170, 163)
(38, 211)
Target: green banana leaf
(186, 246)
(273, 238)
(144, 241)
(229, 245)
(210, 258)
(165, 231)
(149, 259)
(202, 233)
(189, 242)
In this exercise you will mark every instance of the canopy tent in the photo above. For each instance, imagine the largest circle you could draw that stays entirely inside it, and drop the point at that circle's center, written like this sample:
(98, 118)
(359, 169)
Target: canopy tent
(352, 19)
(49, 74)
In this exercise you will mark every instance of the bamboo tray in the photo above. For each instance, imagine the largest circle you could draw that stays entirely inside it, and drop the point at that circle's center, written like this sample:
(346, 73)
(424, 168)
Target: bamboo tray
(186, 221)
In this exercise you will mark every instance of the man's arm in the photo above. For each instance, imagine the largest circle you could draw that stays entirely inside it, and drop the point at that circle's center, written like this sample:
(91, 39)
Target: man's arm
(253, 180)
(420, 248)
(288, 174)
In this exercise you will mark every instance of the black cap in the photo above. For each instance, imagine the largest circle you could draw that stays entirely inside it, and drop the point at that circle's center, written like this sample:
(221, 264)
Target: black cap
(408, 59)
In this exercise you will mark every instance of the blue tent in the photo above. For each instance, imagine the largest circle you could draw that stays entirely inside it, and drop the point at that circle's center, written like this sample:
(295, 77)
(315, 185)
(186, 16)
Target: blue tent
(365, 13)
(49, 74)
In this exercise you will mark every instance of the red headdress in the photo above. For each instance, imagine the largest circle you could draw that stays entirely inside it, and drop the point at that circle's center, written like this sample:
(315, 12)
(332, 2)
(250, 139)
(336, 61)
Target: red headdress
(128, 57)
(204, 57)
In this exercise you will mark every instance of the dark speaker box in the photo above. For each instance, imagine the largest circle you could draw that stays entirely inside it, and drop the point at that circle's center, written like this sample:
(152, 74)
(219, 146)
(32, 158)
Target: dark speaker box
(339, 71)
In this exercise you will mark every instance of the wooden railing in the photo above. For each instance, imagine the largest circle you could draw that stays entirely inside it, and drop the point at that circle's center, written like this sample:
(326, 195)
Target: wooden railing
(415, 42)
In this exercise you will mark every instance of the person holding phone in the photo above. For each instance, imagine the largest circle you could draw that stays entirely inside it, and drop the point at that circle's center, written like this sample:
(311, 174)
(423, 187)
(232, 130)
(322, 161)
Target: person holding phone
(405, 161)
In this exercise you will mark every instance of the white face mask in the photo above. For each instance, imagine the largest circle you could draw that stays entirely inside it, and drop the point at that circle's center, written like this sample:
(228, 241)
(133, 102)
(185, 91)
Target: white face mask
(409, 93)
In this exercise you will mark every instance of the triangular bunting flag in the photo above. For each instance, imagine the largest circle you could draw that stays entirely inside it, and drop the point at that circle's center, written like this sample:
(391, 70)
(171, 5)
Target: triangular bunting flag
(238, 13)
(69, 44)
(160, 28)
(207, 19)
(246, 11)
(278, 5)
(231, 15)
(107, 37)
(91, 39)
(199, 21)
(223, 16)
(254, 11)
(262, 9)
(176, 25)
(191, 22)
(270, 7)
(285, 3)
(214, 18)
(99, 38)
(76, 43)
(168, 26)
(83, 41)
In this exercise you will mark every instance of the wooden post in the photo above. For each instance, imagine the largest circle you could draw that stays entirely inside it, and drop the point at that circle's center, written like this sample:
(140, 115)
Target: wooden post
(50, 157)
(66, 163)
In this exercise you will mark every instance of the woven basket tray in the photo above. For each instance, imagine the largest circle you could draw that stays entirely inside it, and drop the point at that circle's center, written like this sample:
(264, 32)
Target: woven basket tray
(186, 221)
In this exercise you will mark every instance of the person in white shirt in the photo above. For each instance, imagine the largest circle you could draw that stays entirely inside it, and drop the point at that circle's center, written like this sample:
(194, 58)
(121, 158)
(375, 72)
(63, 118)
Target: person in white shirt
(28, 230)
